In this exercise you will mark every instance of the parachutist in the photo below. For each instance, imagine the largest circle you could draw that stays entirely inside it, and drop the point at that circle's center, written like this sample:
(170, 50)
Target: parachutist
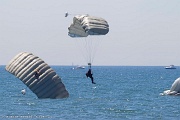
(89, 74)
(66, 14)
(36, 73)
(83, 27)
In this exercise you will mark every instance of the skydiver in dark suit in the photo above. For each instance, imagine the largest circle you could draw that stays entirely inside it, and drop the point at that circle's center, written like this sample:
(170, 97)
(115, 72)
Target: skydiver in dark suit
(89, 74)
(36, 73)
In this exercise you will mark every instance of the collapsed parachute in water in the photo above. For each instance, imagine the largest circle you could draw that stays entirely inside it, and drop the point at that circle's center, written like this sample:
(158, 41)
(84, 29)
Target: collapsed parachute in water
(175, 88)
(84, 25)
(46, 85)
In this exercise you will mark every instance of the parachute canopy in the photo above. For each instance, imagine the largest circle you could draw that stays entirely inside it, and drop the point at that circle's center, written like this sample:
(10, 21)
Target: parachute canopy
(84, 25)
(46, 85)
(175, 88)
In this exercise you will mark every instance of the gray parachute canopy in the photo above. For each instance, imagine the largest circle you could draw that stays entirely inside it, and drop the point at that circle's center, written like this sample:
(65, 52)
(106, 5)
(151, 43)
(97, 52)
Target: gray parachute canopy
(84, 25)
(176, 86)
(46, 85)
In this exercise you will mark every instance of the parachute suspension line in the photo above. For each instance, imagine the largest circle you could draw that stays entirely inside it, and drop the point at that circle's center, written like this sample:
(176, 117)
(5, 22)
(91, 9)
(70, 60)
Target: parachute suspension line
(80, 44)
(89, 49)
(86, 49)
(96, 46)
(84, 46)
(91, 46)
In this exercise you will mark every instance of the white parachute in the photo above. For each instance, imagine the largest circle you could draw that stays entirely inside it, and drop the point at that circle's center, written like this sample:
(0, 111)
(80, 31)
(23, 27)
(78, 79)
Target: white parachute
(46, 85)
(84, 25)
(88, 28)
(175, 88)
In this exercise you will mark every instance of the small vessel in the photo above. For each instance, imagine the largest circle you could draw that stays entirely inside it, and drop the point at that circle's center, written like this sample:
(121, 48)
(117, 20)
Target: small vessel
(170, 67)
(78, 67)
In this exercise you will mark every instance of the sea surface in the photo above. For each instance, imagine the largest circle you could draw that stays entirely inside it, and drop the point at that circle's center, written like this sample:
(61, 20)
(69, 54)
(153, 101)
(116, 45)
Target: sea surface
(120, 93)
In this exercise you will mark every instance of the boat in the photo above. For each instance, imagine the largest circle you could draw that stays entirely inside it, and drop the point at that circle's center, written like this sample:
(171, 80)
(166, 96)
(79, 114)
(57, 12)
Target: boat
(170, 67)
(78, 67)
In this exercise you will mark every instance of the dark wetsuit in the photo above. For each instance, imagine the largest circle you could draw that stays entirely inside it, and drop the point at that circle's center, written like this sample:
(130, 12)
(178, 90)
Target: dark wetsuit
(89, 74)
(36, 74)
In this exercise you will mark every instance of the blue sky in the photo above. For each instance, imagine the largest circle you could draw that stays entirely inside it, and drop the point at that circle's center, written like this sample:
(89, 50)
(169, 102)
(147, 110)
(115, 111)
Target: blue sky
(142, 32)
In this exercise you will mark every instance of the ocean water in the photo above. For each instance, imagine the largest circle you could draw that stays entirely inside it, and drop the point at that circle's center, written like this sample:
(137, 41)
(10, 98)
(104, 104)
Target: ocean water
(121, 93)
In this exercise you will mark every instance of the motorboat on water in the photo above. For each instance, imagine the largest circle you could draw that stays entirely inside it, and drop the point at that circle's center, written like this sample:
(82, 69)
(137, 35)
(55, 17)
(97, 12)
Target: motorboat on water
(170, 67)
(78, 67)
